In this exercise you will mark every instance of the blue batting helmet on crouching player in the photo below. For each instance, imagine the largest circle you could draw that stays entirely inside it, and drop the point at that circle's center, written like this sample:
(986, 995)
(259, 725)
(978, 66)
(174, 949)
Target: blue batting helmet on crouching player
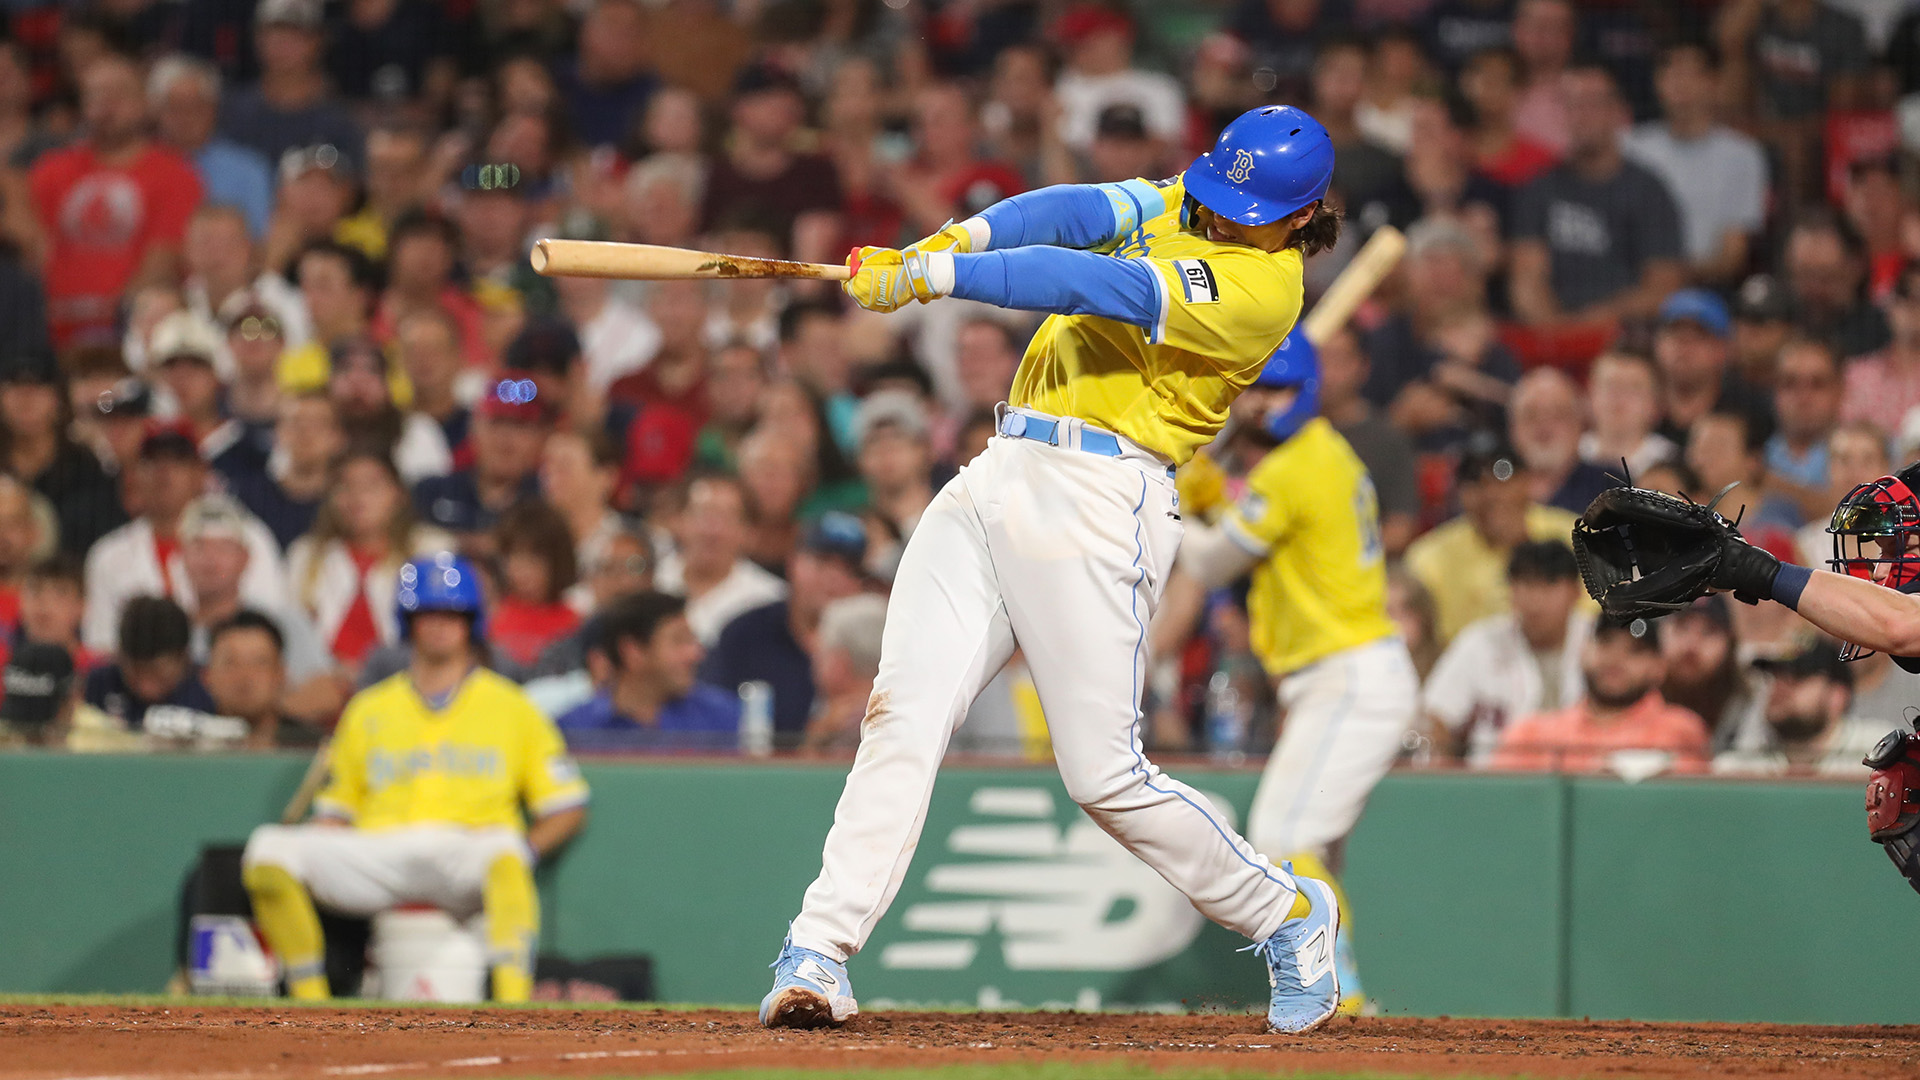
(1295, 365)
(1268, 163)
(443, 582)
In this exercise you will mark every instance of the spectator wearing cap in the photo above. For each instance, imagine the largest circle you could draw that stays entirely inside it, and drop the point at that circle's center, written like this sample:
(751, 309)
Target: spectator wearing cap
(776, 643)
(1762, 322)
(1438, 366)
(1692, 345)
(36, 446)
(667, 397)
(1121, 148)
(1825, 265)
(845, 663)
(420, 254)
(1725, 448)
(1504, 667)
(1544, 421)
(1621, 713)
(286, 490)
(36, 696)
(510, 428)
(535, 553)
(1463, 563)
(1707, 672)
(225, 281)
(337, 283)
(182, 353)
(1623, 398)
(655, 700)
(896, 462)
(360, 382)
(344, 573)
(1596, 239)
(947, 179)
(710, 567)
(1718, 176)
(606, 82)
(118, 415)
(315, 198)
(151, 667)
(183, 96)
(1098, 44)
(143, 557)
(579, 473)
(113, 207)
(1804, 722)
(253, 341)
(245, 673)
(1884, 386)
(1806, 402)
(495, 214)
(292, 105)
(798, 193)
(1490, 82)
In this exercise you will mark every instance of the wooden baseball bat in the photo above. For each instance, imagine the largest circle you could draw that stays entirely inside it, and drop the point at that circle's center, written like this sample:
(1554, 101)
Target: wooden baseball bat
(310, 784)
(650, 262)
(1371, 264)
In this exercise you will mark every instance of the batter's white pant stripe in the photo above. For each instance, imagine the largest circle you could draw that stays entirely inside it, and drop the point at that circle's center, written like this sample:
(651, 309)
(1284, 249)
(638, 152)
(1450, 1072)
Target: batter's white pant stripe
(1139, 753)
(1321, 753)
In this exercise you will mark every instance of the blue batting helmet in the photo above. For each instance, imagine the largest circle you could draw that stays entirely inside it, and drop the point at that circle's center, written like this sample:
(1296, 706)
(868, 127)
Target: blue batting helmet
(1267, 164)
(443, 582)
(1294, 365)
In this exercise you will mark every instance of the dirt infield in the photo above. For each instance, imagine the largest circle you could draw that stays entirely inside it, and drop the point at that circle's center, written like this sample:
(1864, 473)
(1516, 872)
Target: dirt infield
(267, 1043)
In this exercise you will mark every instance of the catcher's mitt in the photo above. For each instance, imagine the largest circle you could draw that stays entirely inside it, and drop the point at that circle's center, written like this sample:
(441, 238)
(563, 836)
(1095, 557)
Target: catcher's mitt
(1645, 553)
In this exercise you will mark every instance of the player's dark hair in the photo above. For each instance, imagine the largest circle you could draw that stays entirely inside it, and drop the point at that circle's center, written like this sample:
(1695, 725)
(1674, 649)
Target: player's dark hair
(60, 567)
(635, 617)
(1320, 233)
(152, 627)
(248, 619)
(1542, 561)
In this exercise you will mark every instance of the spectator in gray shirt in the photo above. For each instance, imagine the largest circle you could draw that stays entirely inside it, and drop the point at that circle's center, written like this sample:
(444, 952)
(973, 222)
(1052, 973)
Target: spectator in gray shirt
(1596, 239)
(1717, 175)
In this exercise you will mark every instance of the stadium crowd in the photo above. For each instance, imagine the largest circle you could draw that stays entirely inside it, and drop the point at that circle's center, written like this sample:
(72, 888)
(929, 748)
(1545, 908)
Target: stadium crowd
(269, 331)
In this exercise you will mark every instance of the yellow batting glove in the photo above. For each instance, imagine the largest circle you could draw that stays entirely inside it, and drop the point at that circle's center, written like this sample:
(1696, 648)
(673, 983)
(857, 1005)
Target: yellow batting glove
(1202, 486)
(951, 237)
(884, 279)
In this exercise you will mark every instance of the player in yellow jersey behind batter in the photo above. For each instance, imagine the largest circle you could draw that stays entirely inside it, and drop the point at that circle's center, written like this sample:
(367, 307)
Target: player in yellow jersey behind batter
(427, 775)
(1308, 527)
(1166, 300)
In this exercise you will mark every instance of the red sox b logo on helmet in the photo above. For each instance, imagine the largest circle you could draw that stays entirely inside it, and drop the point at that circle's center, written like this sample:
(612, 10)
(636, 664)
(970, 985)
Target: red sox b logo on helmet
(1242, 167)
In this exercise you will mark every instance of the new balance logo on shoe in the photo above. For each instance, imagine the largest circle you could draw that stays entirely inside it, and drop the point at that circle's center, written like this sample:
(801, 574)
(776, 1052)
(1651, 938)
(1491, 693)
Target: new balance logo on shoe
(1316, 957)
(815, 972)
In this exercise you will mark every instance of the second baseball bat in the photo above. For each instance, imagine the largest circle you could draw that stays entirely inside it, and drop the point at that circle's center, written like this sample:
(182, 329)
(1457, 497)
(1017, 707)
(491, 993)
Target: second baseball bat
(1371, 264)
(650, 262)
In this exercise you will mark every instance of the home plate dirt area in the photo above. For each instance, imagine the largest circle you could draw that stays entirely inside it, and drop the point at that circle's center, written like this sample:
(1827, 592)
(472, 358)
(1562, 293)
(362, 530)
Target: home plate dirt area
(189, 1042)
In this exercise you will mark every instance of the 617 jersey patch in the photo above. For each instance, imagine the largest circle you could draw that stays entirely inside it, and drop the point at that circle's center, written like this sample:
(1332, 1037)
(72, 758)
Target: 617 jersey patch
(1196, 277)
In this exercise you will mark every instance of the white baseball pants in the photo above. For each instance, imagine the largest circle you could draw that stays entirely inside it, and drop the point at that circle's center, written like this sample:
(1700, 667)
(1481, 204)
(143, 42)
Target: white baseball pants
(364, 873)
(1067, 553)
(1345, 716)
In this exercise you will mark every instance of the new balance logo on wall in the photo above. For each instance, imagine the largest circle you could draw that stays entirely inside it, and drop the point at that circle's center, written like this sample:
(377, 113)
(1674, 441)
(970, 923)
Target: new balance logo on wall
(1059, 898)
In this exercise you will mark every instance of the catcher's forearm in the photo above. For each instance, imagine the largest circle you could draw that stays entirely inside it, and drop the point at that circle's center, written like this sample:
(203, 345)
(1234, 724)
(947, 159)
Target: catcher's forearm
(1868, 615)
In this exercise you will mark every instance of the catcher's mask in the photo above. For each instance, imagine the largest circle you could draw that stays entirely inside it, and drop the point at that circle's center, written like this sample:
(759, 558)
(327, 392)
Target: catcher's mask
(1877, 525)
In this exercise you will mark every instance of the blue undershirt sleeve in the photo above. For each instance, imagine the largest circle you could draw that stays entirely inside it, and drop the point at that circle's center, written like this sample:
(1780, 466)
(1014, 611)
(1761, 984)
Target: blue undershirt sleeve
(1071, 215)
(1062, 282)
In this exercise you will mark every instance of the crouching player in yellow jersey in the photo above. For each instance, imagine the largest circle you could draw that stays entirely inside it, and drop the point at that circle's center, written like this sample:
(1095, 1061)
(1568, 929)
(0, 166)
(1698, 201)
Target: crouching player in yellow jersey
(1308, 527)
(427, 775)
(1166, 300)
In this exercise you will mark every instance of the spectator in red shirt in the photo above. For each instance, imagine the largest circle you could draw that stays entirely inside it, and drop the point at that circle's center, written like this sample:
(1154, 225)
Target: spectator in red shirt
(1491, 84)
(114, 207)
(537, 567)
(669, 395)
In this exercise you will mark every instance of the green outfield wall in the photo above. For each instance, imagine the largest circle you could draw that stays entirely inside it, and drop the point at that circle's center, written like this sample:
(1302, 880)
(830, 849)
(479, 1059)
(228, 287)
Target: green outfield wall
(1471, 895)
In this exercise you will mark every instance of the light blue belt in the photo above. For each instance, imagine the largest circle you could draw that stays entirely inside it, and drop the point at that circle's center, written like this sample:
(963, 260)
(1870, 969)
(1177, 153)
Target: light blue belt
(1019, 425)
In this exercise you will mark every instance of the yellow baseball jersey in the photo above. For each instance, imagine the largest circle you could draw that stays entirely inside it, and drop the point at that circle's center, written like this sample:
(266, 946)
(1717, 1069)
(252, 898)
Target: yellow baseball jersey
(1224, 308)
(395, 762)
(1310, 509)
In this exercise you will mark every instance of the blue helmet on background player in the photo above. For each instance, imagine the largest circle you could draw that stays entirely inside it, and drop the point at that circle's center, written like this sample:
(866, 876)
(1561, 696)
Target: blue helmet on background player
(1267, 164)
(1295, 365)
(442, 582)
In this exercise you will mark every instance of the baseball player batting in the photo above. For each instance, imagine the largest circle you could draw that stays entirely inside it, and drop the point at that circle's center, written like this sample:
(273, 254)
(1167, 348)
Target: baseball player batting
(427, 774)
(1308, 527)
(1643, 553)
(1166, 300)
